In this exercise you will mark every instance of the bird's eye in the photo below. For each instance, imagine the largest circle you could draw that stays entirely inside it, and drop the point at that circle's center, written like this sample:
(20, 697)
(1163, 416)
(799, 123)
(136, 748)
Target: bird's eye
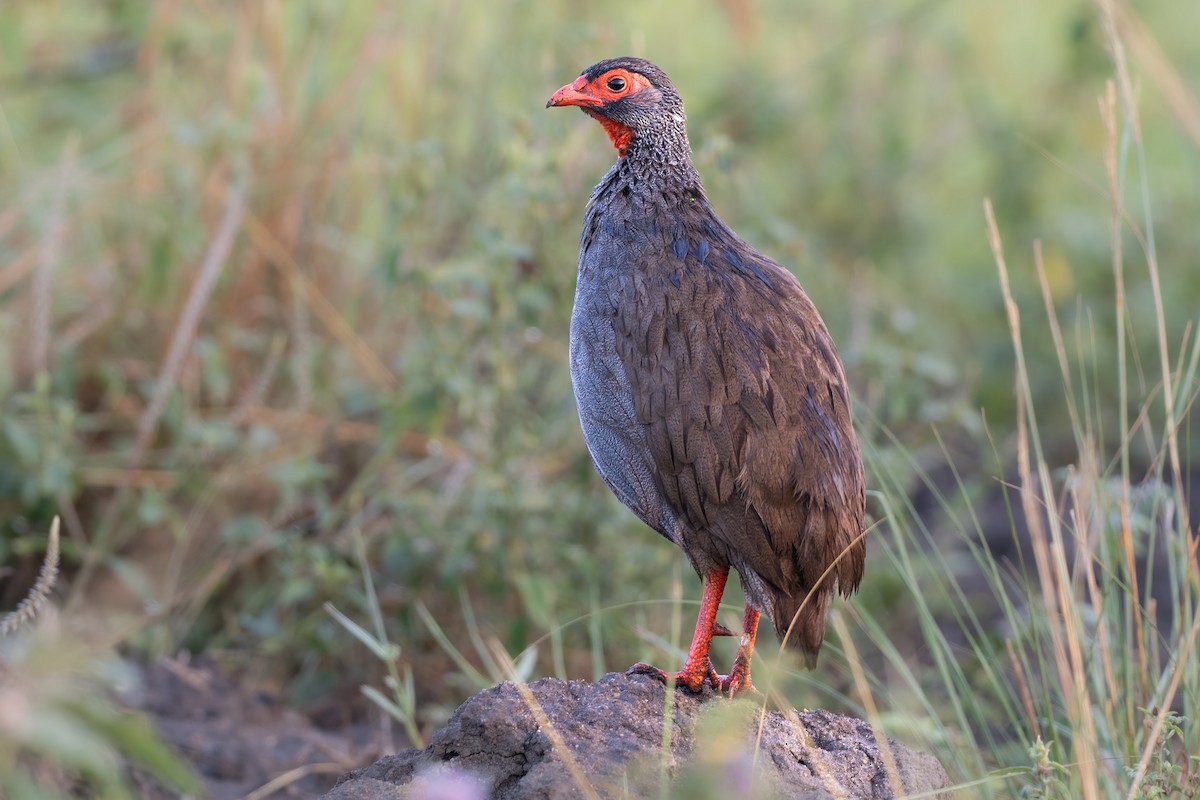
(616, 84)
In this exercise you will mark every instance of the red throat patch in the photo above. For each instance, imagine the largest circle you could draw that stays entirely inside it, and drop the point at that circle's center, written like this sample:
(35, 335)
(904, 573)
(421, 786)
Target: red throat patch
(621, 135)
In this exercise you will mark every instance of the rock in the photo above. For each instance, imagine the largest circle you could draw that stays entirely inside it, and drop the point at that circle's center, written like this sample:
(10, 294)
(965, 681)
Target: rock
(550, 738)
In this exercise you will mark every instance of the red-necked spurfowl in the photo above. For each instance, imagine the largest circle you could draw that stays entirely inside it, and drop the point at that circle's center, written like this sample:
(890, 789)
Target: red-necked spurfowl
(710, 392)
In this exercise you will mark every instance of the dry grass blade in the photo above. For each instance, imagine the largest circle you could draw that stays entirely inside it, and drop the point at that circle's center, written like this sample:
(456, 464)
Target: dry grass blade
(48, 258)
(90, 322)
(1049, 551)
(1118, 19)
(281, 782)
(819, 582)
(189, 319)
(1156, 65)
(17, 269)
(1183, 656)
(769, 691)
(1088, 477)
(1135, 598)
(535, 708)
(330, 317)
(1022, 682)
(254, 395)
(1060, 348)
(818, 763)
(1108, 18)
(1108, 112)
(182, 337)
(1029, 502)
(863, 687)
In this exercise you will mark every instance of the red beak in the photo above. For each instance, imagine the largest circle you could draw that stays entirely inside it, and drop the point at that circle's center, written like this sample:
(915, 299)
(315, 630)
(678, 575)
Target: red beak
(570, 95)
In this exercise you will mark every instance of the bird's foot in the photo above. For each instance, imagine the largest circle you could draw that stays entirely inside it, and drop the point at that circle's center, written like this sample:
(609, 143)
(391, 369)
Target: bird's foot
(736, 684)
(692, 680)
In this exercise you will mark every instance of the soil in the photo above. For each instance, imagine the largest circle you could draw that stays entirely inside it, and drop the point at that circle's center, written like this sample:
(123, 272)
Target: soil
(243, 743)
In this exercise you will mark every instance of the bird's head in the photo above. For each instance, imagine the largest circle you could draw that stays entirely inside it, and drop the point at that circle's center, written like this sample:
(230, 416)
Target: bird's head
(630, 97)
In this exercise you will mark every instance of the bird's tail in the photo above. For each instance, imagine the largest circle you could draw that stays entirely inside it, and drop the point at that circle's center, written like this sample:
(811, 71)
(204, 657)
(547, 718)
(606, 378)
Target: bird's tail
(799, 621)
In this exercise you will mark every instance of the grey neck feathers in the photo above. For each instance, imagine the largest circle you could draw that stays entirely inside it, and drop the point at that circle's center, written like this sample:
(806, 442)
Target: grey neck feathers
(660, 156)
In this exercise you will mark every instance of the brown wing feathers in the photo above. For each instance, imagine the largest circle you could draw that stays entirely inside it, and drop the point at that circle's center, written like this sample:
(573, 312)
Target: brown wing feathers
(746, 414)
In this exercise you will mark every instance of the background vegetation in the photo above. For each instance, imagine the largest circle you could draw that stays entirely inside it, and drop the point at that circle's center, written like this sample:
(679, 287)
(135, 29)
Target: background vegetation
(284, 291)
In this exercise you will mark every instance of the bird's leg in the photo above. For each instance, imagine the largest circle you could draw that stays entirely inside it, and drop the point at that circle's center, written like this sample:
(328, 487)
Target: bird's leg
(698, 668)
(738, 679)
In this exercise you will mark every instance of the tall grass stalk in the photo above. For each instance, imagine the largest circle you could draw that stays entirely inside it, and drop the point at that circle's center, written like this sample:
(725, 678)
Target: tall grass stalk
(1068, 668)
(1088, 684)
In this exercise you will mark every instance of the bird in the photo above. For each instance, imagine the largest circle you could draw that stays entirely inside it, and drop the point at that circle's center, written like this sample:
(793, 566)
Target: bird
(710, 393)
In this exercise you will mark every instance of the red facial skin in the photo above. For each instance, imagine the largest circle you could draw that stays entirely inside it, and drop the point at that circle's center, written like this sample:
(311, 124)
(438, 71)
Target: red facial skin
(593, 95)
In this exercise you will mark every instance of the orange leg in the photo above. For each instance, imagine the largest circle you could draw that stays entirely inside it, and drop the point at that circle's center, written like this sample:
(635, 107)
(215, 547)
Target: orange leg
(698, 668)
(738, 679)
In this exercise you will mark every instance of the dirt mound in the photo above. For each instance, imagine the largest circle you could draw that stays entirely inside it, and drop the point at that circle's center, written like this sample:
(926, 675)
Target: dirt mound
(577, 739)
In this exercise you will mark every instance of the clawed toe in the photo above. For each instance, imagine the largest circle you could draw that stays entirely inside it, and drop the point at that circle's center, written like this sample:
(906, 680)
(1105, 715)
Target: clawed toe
(690, 681)
(735, 685)
(649, 671)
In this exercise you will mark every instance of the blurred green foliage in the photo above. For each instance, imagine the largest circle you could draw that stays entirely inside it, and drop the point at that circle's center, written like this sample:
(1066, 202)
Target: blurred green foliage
(384, 351)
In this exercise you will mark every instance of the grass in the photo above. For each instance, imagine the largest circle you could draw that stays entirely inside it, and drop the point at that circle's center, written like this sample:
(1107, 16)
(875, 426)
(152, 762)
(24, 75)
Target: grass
(60, 728)
(285, 292)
